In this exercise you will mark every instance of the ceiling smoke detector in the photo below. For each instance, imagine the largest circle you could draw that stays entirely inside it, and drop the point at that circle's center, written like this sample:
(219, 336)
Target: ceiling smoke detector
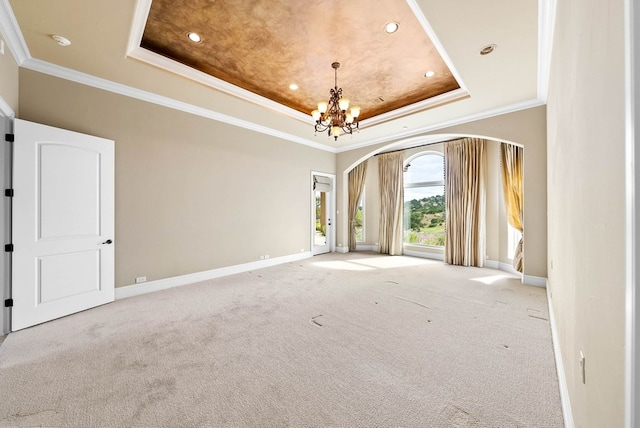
(62, 41)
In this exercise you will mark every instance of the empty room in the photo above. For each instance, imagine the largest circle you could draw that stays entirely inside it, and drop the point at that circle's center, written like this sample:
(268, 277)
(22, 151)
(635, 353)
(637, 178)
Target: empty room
(415, 213)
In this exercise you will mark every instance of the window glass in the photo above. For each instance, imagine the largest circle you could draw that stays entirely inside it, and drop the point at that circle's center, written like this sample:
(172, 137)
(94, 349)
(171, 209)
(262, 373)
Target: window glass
(424, 203)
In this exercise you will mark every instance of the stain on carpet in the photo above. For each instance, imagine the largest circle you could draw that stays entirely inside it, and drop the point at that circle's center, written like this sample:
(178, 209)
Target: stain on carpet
(534, 313)
(314, 322)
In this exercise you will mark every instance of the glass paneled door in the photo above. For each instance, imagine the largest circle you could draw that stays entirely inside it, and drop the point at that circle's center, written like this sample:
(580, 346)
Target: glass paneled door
(322, 227)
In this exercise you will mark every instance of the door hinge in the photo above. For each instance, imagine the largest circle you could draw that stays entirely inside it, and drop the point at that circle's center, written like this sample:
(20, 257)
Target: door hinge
(9, 138)
(8, 303)
(8, 193)
(8, 248)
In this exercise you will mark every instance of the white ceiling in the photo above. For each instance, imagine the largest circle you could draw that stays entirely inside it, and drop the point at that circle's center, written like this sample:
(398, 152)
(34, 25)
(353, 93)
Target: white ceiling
(103, 34)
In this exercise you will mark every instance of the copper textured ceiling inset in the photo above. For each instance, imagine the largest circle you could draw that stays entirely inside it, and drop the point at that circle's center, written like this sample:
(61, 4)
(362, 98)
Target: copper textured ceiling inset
(264, 46)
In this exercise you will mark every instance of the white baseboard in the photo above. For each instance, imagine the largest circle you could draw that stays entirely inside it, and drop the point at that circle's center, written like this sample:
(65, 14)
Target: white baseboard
(423, 254)
(562, 378)
(492, 264)
(536, 281)
(362, 247)
(177, 281)
(508, 267)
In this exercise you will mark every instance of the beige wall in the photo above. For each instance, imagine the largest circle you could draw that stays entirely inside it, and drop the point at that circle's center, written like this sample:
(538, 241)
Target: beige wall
(9, 79)
(586, 194)
(526, 128)
(192, 194)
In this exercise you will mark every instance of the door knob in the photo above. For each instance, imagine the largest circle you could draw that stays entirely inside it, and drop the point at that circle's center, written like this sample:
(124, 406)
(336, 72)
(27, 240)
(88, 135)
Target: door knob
(107, 242)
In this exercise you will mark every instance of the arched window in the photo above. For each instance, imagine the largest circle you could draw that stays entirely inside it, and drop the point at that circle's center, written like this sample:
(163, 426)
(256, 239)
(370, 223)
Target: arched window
(424, 207)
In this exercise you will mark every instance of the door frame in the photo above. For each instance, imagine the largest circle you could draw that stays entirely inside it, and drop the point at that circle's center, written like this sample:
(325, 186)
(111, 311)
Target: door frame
(632, 214)
(6, 127)
(332, 210)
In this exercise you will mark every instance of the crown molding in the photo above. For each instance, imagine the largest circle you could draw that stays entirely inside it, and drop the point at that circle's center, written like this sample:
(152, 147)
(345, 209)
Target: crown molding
(140, 15)
(432, 102)
(546, 24)
(11, 33)
(5, 109)
(453, 122)
(118, 88)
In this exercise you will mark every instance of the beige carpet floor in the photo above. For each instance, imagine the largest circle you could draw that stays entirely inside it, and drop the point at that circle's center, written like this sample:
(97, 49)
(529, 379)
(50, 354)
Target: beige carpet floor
(340, 340)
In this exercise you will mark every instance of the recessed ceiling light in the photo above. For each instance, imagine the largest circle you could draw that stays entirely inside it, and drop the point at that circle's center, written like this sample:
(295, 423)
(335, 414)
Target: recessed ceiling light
(62, 41)
(391, 27)
(430, 73)
(194, 37)
(293, 87)
(488, 49)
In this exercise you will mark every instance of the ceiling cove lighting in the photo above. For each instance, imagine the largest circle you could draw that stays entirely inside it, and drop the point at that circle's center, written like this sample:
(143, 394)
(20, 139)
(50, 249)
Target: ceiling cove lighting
(332, 116)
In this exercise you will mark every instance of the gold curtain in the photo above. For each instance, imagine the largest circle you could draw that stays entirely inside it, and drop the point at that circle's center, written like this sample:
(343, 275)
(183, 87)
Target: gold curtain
(390, 171)
(465, 196)
(356, 185)
(511, 161)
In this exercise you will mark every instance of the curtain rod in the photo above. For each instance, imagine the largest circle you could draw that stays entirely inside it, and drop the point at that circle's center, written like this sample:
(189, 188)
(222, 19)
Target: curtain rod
(422, 145)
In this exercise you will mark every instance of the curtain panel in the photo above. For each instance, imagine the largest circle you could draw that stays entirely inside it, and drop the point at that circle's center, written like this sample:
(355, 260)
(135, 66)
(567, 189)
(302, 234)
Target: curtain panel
(465, 201)
(390, 175)
(511, 162)
(356, 184)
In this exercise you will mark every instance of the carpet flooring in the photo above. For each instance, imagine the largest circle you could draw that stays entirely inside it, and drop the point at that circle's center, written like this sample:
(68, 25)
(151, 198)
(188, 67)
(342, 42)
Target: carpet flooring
(338, 340)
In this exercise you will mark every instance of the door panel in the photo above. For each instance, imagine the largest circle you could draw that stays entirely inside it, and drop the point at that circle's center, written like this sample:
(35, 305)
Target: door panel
(69, 204)
(322, 214)
(78, 271)
(63, 223)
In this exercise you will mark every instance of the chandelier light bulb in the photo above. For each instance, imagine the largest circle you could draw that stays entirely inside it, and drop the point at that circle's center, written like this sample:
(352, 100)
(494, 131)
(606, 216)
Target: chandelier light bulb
(349, 118)
(322, 107)
(316, 115)
(335, 131)
(344, 104)
(355, 111)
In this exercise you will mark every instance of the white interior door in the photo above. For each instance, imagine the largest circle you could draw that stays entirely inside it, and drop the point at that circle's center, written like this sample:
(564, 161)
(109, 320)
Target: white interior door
(63, 223)
(322, 200)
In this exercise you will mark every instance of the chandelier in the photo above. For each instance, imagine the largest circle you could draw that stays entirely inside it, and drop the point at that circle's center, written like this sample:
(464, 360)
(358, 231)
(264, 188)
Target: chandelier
(332, 116)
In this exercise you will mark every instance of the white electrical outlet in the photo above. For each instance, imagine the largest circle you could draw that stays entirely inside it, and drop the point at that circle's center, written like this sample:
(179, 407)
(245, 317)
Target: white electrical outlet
(141, 279)
(261, 257)
(266, 256)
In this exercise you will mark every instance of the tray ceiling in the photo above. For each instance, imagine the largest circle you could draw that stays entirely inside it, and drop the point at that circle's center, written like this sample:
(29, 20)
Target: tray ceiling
(264, 46)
